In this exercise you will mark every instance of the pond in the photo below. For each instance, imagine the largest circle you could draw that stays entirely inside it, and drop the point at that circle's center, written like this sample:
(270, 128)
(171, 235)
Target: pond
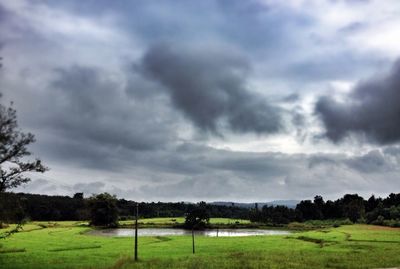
(171, 231)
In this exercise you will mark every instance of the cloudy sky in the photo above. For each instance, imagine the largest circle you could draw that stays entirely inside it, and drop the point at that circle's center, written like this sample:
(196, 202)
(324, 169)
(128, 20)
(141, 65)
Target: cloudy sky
(207, 100)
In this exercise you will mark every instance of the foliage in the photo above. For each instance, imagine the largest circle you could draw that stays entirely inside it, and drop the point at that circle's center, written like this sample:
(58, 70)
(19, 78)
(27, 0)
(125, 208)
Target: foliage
(198, 217)
(103, 210)
(382, 211)
(351, 207)
(44, 207)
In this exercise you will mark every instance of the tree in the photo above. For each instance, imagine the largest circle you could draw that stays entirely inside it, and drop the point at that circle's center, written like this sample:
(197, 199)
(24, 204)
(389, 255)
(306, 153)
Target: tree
(78, 196)
(13, 149)
(308, 210)
(353, 207)
(372, 203)
(392, 199)
(319, 204)
(198, 217)
(103, 210)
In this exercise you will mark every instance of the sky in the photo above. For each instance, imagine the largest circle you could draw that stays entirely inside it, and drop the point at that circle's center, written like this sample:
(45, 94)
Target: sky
(214, 100)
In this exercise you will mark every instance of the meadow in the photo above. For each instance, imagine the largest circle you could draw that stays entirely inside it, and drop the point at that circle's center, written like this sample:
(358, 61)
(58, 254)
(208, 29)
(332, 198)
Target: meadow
(66, 245)
(171, 222)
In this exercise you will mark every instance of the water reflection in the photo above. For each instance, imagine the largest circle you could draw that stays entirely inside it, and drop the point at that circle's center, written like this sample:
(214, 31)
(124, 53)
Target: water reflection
(169, 232)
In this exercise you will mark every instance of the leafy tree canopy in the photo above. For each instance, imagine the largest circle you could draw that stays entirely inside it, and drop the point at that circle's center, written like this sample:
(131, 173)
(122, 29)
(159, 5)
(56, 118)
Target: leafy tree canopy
(103, 210)
(198, 217)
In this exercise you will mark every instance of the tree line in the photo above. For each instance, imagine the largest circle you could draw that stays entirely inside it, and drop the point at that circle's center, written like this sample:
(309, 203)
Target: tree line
(351, 207)
(17, 206)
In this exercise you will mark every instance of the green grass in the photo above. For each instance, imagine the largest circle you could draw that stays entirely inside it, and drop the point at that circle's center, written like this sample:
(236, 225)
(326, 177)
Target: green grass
(65, 245)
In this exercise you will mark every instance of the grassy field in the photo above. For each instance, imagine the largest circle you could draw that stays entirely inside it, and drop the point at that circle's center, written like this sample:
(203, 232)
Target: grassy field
(168, 222)
(65, 245)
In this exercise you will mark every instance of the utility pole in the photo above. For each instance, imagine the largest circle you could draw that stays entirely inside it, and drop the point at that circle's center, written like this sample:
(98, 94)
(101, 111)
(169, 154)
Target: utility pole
(136, 231)
(193, 239)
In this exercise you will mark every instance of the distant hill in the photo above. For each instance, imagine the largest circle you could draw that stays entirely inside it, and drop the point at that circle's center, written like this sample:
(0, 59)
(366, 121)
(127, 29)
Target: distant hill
(288, 203)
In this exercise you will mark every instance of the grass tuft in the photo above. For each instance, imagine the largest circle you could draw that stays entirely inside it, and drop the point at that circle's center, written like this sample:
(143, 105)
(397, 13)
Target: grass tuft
(12, 250)
(73, 248)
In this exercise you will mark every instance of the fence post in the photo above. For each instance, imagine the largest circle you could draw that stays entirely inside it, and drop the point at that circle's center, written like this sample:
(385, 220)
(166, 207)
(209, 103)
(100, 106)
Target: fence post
(193, 239)
(136, 231)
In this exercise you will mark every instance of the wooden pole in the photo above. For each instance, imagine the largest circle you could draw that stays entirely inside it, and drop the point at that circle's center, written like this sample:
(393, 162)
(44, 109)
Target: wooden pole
(193, 240)
(136, 231)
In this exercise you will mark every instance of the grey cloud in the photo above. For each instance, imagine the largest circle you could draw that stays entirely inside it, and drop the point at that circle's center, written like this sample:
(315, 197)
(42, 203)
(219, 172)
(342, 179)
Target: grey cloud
(322, 159)
(371, 110)
(89, 188)
(353, 27)
(262, 175)
(393, 151)
(372, 162)
(339, 64)
(193, 188)
(85, 116)
(5, 15)
(98, 108)
(40, 185)
(209, 86)
(96, 121)
(260, 27)
(192, 172)
(291, 98)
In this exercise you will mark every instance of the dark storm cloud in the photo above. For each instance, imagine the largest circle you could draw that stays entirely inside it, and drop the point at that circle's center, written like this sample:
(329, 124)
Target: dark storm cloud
(86, 117)
(371, 110)
(372, 162)
(94, 109)
(209, 86)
